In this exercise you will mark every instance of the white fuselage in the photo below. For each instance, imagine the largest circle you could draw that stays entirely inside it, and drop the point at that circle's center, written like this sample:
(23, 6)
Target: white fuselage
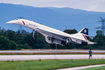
(44, 30)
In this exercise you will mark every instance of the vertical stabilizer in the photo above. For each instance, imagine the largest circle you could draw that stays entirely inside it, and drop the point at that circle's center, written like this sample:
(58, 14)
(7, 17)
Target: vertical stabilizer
(84, 31)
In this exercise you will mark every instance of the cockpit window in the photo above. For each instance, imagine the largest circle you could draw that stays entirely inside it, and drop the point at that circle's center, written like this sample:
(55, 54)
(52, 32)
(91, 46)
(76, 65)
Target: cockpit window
(16, 19)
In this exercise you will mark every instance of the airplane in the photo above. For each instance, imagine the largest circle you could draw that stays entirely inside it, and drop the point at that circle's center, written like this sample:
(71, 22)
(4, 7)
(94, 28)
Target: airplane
(53, 35)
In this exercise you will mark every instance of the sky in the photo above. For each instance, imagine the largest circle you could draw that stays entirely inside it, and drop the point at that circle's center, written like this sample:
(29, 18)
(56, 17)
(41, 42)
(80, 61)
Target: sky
(89, 5)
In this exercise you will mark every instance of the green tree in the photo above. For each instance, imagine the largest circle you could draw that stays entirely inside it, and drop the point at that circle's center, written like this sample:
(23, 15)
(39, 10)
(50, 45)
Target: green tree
(88, 47)
(73, 31)
(4, 43)
(100, 40)
(99, 32)
(11, 35)
(2, 32)
(24, 46)
(13, 45)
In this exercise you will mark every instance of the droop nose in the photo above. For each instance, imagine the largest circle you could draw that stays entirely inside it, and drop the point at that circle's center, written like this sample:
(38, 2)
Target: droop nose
(12, 22)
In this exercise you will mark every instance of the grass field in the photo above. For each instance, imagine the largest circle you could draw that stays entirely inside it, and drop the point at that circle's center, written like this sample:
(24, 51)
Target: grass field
(47, 64)
(95, 68)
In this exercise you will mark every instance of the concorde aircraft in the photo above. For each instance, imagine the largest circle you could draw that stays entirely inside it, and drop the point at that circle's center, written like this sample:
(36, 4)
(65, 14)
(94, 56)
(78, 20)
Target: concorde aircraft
(55, 36)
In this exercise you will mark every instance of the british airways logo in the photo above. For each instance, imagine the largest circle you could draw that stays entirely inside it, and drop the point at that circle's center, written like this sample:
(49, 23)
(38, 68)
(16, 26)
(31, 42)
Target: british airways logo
(23, 22)
(85, 31)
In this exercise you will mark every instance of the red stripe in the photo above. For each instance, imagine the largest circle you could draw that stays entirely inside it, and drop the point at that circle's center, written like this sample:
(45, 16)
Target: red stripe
(84, 37)
(23, 22)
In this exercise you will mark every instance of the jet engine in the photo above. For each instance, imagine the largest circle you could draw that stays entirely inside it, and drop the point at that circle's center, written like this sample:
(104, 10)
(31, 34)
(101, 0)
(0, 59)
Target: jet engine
(55, 40)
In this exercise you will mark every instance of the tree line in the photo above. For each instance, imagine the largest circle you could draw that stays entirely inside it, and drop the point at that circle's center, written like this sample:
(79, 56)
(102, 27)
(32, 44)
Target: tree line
(16, 40)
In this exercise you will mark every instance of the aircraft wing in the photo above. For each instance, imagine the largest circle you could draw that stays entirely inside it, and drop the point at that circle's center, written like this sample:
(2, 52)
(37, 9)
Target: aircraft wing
(62, 39)
(51, 34)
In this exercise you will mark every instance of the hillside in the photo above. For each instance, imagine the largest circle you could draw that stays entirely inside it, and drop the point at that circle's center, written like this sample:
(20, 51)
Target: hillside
(58, 18)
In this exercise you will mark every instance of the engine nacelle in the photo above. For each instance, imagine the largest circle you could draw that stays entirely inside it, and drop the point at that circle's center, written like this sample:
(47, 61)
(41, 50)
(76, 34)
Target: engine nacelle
(54, 40)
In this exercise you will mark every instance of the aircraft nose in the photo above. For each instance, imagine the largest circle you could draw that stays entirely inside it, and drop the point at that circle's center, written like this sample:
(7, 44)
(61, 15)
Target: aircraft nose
(12, 22)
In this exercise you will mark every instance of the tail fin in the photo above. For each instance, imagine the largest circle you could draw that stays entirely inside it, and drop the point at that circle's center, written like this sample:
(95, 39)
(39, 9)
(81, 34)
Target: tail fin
(84, 31)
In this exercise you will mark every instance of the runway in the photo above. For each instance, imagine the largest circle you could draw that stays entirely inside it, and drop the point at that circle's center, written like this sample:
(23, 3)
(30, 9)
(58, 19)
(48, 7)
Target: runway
(38, 57)
(53, 52)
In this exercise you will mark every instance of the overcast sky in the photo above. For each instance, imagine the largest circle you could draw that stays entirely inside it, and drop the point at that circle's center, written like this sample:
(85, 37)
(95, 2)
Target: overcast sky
(89, 5)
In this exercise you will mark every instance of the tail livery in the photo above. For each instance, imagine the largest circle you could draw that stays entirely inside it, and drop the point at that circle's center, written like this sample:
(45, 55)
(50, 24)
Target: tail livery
(84, 31)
